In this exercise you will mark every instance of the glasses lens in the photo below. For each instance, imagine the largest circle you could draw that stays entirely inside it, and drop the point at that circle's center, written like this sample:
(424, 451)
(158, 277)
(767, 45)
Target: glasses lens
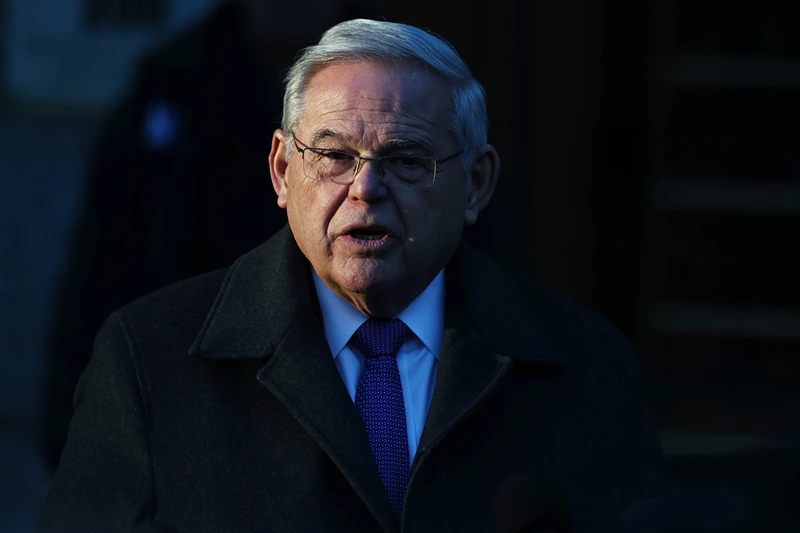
(418, 171)
(338, 167)
(328, 165)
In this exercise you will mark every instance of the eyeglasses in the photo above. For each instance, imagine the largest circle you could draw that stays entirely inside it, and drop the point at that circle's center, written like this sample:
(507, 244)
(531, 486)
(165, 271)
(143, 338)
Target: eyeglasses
(340, 167)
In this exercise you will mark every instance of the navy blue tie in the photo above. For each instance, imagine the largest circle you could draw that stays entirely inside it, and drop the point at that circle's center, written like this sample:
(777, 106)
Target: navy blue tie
(379, 399)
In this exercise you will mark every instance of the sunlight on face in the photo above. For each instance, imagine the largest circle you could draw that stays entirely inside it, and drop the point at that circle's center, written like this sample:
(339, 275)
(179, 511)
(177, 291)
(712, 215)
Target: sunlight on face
(366, 238)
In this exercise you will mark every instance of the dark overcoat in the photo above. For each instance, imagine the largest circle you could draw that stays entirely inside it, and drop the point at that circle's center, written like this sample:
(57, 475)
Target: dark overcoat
(215, 405)
(159, 210)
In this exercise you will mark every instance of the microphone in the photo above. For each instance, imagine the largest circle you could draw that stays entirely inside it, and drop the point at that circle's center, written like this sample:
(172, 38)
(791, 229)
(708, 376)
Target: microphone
(525, 503)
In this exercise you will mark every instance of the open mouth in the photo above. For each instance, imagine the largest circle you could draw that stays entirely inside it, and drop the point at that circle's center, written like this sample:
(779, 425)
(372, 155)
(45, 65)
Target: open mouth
(366, 234)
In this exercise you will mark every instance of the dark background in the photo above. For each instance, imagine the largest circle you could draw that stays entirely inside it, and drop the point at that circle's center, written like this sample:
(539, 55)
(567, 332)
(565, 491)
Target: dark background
(651, 171)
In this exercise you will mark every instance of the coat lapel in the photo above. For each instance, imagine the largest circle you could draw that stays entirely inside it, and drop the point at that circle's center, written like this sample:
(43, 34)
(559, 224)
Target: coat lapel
(468, 373)
(303, 375)
(266, 309)
(486, 332)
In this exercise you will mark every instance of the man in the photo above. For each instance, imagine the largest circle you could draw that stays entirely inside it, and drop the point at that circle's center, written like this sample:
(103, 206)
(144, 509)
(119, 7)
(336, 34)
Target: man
(178, 179)
(364, 370)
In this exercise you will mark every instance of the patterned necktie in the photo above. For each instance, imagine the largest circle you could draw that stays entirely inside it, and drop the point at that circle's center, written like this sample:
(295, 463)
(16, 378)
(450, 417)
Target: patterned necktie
(379, 399)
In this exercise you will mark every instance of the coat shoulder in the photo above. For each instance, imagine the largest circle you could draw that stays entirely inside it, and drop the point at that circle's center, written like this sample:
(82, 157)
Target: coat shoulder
(521, 308)
(573, 327)
(184, 303)
(563, 310)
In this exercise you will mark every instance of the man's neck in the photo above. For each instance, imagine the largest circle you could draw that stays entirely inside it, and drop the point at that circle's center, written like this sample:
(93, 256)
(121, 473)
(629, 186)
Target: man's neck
(384, 304)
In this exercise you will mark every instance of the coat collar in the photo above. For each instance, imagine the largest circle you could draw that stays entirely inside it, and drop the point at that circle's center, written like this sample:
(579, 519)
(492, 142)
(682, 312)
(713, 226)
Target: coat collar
(264, 292)
(494, 302)
(268, 289)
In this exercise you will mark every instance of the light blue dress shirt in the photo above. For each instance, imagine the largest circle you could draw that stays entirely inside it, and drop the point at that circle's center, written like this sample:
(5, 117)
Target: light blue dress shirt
(417, 360)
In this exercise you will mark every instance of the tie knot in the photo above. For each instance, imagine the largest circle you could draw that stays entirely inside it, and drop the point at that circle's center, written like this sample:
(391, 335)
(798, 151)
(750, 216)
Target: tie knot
(381, 337)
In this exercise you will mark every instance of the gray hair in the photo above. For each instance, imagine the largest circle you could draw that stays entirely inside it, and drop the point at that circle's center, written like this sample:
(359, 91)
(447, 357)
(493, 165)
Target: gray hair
(401, 45)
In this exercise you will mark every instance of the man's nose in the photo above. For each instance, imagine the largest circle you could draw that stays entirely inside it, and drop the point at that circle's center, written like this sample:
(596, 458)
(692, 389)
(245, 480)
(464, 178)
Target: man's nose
(368, 184)
(362, 162)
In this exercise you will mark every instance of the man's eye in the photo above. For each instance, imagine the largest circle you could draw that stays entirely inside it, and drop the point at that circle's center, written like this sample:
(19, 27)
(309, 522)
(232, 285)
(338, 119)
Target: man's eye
(407, 161)
(336, 155)
(411, 162)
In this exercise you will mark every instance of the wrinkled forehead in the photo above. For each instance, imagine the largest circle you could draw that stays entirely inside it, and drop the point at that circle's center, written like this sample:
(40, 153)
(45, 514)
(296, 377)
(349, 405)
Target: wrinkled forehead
(377, 95)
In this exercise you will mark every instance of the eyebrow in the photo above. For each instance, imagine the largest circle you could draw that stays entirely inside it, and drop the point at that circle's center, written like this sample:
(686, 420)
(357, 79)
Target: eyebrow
(327, 133)
(391, 144)
(397, 144)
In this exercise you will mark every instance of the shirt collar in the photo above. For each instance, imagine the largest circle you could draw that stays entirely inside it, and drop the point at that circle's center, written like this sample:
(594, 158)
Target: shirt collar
(424, 316)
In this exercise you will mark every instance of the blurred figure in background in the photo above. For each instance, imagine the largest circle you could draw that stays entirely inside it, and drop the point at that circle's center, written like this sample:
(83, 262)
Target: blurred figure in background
(179, 181)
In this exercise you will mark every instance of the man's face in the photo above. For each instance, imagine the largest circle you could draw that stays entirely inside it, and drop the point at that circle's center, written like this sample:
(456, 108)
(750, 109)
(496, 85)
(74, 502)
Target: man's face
(365, 108)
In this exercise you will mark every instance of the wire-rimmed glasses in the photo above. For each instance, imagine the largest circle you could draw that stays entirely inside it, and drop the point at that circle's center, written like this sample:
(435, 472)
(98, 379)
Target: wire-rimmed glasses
(337, 166)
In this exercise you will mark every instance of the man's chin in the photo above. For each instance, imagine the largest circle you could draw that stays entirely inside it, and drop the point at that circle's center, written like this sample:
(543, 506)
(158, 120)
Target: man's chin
(367, 287)
(369, 277)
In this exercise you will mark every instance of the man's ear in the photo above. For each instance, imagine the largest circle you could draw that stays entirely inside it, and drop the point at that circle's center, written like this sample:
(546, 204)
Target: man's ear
(278, 165)
(483, 180)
